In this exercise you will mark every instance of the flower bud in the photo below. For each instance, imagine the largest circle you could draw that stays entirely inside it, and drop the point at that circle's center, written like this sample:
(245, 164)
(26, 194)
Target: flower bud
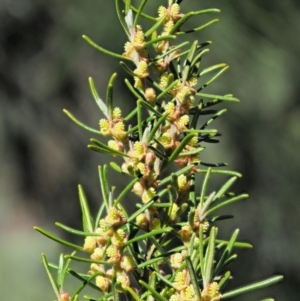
(150, 95)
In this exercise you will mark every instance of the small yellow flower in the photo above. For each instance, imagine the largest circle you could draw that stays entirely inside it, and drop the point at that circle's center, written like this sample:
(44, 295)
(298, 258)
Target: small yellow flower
(166, 140)
(103, 283)
(168, 26)
(127, 263)
(193, 81)
(119, 237)
(180, 280)
(148, 195)
(104, 127)
(170, 107)
(90, 244)
(142, 220)
(138, 149)
(163, 82)
(181, 181)
(98, 254)
(138, 189)
(138, 83)
(118, 131)
(183, 95)
(175, 9)
(138, 40)
(173, 213)
(114, 217)
(150, 95)
(113, 144)
(213, 290)
(142, 168)
(194, 141)
(176, 260)
(185, 232)
(184, 120)
(113, 253)
(117, 113)
(161, 11)
(189, 292)
(123, 280)
(154, 224)
(142, 70)
(175, 297)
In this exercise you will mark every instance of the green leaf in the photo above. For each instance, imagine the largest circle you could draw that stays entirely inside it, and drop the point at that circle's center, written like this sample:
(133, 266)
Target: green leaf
(139, 11)
(146, 16)
(57, 239)
(126, 190)
(105, 51)
(214, 78)
(177, 173)
(59, 272)
(201, 250)
(218, 97)
(181, 146)
(193, 277)
(209, 257)
(50, 276)
(149, 32)
(135, 93)
(224, 279)
(156, 127)
(149, 263)
(99, 214)
(157, 296)
(224, 188)
(243, 245)
(188, 61)
(228, 202)
(169, 87)
(85, 283)
(79, 123)
(226, 252)
(120, 17)
(138, 212)
(102, 171)
(152, 282)
(148, 235)
(82, 259)
(86, 215)
(64, 271)
(84, 280)
(103, 148)
(222, 172)
(127, 69)
(204, 186)
(158, 39)
(199, 27)
(74, 231)
(252, 287)
(99, 102)
(116, 167)
(109, 95)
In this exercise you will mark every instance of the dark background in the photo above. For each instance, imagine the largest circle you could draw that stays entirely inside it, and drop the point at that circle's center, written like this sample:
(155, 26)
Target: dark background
(44, 66)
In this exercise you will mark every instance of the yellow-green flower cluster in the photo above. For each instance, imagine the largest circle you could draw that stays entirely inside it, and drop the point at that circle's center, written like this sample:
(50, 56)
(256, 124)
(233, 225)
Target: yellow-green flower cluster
(108, 246)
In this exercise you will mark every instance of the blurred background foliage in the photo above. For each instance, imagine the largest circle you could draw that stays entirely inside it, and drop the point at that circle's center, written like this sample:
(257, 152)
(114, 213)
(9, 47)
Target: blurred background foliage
(44, 66)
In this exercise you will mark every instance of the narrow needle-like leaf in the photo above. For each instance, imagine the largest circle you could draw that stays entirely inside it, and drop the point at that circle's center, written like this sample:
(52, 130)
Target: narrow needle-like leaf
(51, 278)
(57, 239)
(86, 215)
(251, 287)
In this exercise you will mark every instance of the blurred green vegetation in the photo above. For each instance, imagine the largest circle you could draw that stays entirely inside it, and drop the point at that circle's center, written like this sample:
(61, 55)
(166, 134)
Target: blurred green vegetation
(44, 68)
